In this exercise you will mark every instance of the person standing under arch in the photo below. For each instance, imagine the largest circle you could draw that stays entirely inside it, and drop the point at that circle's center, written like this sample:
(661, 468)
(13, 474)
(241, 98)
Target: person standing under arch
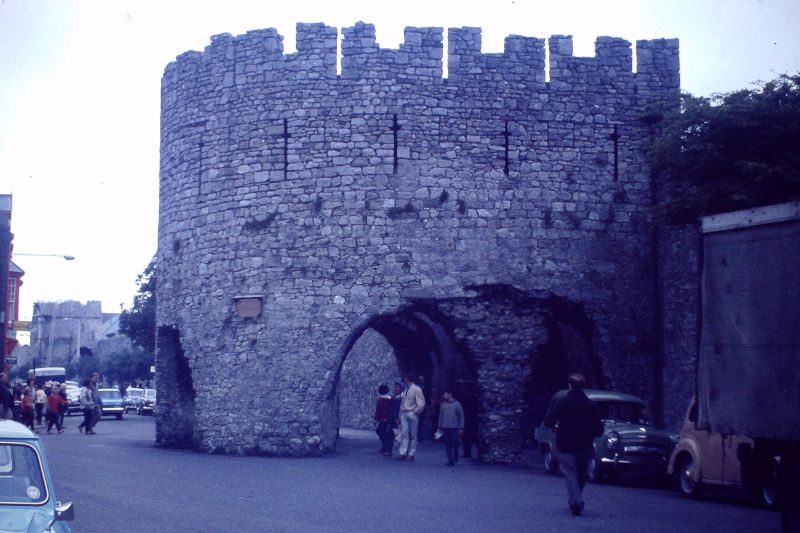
(411, 405)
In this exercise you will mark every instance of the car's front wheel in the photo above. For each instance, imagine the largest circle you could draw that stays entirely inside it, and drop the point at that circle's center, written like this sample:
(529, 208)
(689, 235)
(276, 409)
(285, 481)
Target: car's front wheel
(550, 461)
(685, 472)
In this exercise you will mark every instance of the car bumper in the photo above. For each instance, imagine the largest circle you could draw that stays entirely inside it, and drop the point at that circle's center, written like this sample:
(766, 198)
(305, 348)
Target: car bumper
(629, 463)
(113, 410)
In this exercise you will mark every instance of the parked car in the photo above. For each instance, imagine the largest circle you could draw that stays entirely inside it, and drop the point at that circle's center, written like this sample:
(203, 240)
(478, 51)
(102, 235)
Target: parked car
(147, 405)
(74, 397)
(27, 495)
(110, 402)
(705, 458)
(132, 397)
(629, 443)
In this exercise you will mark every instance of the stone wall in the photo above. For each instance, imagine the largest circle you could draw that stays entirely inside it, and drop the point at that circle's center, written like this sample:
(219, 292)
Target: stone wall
(337, 199)
(679, 255)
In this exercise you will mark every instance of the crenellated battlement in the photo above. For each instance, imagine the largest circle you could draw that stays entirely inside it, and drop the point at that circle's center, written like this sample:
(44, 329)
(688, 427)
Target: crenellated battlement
(245, 58)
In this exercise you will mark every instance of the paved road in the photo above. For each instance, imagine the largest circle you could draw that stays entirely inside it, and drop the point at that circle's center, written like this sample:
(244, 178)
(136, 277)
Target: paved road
(120, 482)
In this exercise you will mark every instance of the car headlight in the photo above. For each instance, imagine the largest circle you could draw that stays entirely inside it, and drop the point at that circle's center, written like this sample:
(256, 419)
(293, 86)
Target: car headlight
(612, 441)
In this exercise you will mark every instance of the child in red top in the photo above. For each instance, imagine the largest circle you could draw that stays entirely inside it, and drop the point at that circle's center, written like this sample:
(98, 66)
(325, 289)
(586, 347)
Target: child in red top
(54, 401)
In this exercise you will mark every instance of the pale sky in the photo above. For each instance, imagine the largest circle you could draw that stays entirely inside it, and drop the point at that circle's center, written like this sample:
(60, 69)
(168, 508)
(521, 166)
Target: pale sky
(80, 80)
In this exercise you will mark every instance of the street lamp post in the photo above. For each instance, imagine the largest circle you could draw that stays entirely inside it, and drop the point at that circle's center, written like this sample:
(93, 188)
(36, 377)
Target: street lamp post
(66, 257)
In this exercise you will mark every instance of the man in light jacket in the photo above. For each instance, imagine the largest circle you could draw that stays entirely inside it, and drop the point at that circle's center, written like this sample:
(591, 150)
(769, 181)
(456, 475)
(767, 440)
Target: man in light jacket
(411, 405)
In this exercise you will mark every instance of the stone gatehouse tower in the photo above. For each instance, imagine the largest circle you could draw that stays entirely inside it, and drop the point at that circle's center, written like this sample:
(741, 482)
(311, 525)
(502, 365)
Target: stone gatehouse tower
(492, 226)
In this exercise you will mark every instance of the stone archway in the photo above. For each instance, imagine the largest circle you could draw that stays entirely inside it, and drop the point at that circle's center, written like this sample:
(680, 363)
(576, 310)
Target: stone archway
(417, 344)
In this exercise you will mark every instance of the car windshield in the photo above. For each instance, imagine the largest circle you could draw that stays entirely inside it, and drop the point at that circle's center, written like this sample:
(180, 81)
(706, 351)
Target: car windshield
(620, 411)
(21, 480)
(109, 394)
(135, 393)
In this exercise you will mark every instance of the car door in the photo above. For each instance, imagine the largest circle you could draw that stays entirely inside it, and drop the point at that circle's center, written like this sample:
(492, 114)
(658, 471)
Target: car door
(710, 450)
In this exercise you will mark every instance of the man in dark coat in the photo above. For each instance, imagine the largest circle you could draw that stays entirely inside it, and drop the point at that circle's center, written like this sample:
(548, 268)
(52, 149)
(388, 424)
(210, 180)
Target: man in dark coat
(579, 423)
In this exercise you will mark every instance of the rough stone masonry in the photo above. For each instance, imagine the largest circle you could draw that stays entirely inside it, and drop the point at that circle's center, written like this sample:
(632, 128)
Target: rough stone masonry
(493, 225)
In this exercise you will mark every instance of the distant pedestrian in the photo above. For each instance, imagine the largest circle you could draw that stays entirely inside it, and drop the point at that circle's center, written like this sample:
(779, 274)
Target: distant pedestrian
(383, 416)
(40, 399)
(411, 405)
(577, 422)
(396, 399)
(87, 405)
(28, 409)
(63, 407)
(6, 398)
(451, 424)
(98, 402)
(465, 393)
(54, 401)
(424, 420)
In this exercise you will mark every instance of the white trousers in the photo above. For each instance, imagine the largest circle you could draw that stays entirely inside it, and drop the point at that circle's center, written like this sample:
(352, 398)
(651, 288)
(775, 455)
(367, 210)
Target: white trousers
(409, 424)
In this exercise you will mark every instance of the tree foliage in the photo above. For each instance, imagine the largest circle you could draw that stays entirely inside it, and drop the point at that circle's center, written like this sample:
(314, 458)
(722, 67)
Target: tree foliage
(127, 366)
(139, 322)
(731, 151)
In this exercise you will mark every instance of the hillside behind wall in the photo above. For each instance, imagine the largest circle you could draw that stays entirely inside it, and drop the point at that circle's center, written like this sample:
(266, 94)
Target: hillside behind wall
(337, 197)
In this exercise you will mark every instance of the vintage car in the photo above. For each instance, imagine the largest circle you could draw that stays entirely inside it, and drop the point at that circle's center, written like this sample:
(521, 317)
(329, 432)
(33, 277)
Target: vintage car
(629, 443)
(27, 496)
(705, 458)
(132, 397)
(147, 405)
(74, 398)
(110, 402)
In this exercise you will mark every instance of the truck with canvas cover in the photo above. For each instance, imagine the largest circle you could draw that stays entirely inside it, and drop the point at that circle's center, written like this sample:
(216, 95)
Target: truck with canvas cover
(748, 381)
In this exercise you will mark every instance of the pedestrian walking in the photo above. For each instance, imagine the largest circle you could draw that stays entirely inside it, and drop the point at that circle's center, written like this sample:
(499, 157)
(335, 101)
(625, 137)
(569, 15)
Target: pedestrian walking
(98, 402)
(577, 422)
(40, 399)
(63, 407)
(28, 409)
(411, 405)
(451, 424)
(383, 416)
(6, 398)
(87, 405)
(54, 401)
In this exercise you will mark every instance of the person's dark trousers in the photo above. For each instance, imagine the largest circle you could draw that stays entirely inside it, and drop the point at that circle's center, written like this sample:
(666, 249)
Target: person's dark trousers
(27, 418)
(451, 442)
(574, 466)
(53, 420)
(39, 411)
(386, 435)
(96, 414)
(88, 415)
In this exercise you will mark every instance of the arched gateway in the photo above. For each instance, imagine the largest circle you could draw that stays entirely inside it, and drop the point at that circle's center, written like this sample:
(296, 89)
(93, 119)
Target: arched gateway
(492, 226)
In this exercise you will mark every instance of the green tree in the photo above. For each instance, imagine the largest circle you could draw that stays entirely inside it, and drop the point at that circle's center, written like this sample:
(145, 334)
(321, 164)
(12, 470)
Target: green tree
(731, 151)
(127, 365)
(139, 322)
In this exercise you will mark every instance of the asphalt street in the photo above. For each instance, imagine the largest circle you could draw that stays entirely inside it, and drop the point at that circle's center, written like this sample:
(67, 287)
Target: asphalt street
(119, 481)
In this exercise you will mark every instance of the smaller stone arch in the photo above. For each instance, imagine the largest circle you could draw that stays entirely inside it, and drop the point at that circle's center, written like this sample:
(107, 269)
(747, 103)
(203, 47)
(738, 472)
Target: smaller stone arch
(419, 345)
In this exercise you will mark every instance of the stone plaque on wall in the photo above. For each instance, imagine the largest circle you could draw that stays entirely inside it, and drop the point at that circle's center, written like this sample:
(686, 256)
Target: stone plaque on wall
(248, 306)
